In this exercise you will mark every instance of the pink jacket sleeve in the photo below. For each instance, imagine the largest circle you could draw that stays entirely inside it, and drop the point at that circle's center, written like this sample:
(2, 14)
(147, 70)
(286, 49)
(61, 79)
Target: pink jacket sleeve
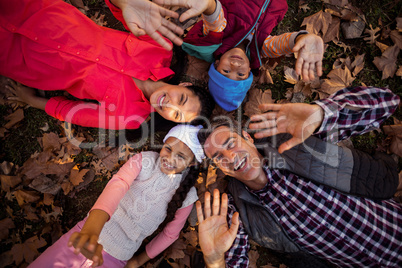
(169, 234)
(119, 185)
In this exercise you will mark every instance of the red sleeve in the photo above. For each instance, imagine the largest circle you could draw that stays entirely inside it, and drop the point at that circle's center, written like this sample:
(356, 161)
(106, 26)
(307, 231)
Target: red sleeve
(89, 114)
(116, 12)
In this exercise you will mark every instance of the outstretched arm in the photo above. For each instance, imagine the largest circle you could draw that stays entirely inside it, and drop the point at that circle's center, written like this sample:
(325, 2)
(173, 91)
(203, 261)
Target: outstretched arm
(215, 236)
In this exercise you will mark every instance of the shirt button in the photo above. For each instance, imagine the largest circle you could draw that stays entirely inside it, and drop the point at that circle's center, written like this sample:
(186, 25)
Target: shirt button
(97, 59)
(129, 40)
(365, 251)
(58, 46)
(36, 38)
(327, 225)
(289, 196)
(309, 211)
(122, 70)
(78, 53)
(13, 29)
(107, 97)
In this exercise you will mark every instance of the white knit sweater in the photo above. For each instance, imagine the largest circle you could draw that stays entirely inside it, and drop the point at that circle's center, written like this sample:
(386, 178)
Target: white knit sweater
(142, 208)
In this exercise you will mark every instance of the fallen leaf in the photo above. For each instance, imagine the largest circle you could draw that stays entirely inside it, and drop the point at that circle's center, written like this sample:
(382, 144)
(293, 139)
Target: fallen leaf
(343, 45)
(387, 62)
(5, 225)
(46, 185)
(211, 175)
(197, 68)
(191, 237)
(30, 213)
(357, 65)
(256, 97)
(317, 22)
(396, 145)
(399, 24)
(176, 250)
(353, 29)
(99, 19)
(304, 7)
(50, 141)
(13, 119)
(28, 250)
(26, 197)
(338, 79)
(48, 199)
(290, 75)
(332, 33)
(76, 175)
(9, 182)
(372, 34)
(253, 256)
(396, 38)
(399, 72)
(381, 46)
(6, 167)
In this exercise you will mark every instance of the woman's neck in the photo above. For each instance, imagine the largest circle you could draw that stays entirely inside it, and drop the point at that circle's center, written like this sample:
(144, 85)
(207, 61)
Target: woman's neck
(148, 86)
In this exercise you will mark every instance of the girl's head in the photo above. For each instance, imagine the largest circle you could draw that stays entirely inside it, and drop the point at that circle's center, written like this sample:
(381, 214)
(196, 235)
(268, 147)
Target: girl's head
(234, 64)
(182, 104)
(181, 149)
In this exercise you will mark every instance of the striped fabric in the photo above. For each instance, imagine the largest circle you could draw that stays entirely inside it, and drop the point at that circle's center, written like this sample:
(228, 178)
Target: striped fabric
(348, 231)
(276, 46)
(217, 25)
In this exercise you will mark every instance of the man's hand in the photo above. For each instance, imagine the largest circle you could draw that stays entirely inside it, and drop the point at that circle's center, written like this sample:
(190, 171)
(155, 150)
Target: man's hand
(145, 17)
(87, 244)
(195, 7)
(298, 119)
(26, 95)
(310, 49)
(214, 235)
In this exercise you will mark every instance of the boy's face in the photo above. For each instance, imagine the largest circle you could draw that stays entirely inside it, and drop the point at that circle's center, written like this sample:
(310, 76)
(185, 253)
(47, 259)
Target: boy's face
(234, 64)
(175, 156)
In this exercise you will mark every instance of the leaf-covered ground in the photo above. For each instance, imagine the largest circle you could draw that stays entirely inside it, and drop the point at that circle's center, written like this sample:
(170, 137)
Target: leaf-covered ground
(49, 183)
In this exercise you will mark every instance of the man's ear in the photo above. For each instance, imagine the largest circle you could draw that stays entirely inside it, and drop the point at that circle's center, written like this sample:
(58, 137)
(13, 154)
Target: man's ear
(247, 136)
(185, 84)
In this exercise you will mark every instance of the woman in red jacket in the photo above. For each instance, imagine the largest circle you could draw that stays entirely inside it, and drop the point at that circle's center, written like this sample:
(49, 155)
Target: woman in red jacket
(50, 45)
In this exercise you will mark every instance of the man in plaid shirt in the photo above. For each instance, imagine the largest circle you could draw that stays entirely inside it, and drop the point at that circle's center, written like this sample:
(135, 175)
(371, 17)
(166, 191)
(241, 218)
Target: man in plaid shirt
(347, 230)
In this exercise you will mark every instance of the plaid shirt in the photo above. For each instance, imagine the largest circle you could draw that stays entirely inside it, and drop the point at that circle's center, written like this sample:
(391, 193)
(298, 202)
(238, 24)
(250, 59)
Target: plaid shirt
(346, 230)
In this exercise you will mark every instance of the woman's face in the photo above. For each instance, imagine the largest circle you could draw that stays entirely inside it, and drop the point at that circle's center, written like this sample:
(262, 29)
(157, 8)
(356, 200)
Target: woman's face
(176, 103)
(175, 156)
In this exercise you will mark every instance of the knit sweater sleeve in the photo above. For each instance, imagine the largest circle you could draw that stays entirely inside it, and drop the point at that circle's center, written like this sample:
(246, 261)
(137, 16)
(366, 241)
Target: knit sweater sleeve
(276, 46)
(216, 22)
(119, 185)
(169, 234)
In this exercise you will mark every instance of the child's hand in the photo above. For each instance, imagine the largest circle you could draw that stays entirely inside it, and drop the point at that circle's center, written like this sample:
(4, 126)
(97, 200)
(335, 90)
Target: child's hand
(87, 245)
(309, 61)
(197, 7)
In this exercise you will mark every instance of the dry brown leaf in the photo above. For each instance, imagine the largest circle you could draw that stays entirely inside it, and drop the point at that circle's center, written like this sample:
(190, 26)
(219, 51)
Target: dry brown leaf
(191, 237)
(13, 118)
(387, 62)
(399, 24)
(372, 34)
(392, 129)
(290, 75)
(28, 250)
(396, 38)
(256, 97)
(396, 145)
(211, 176)
(197, 68)
(9, 182)
(304, 7)
(381, 46)
(6, 167)
(26, 197)
(332, 33)
(67, 186)
(176, 250)
(48, 199)
(30, 213)
(338, 79)
(253, 256)
(50, 141)
(317, 22)
(399, 71)
(76, 175)
(44, 184)
(99, 19)
(5, 225)
(358, 64)
(343, 45)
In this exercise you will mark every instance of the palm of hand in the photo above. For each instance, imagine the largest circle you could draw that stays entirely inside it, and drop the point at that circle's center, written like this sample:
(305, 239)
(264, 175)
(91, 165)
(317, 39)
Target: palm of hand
(214, 235)
(313, 49)
(146, 17)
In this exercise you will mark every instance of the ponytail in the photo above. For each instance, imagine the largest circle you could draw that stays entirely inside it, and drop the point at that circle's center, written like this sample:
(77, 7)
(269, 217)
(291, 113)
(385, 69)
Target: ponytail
(181, 194)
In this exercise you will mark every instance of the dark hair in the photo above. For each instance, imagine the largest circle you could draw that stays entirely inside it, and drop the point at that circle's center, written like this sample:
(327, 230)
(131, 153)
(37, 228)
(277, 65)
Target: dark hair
(181, 193)
(219, 121)
(207, 104)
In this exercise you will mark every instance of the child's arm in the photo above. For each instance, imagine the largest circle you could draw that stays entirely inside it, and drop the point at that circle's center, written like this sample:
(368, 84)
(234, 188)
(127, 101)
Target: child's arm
(164, 239)
(213, 18)
(85, 241)
(310, 48)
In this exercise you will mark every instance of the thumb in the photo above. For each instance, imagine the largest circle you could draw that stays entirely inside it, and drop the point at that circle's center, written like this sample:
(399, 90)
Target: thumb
(137, 31)
(298, 45)
(189, 14)
(289, 144)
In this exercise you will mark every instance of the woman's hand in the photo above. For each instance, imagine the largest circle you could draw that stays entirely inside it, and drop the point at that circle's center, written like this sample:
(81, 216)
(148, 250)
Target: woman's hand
(298, 119)
(138, 261)
(310, 49)
(25, 95)
(215, 236)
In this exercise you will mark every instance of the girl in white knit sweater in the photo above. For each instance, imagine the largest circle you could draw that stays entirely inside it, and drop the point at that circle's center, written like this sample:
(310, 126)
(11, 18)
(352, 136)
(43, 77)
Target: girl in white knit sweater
(151, 190)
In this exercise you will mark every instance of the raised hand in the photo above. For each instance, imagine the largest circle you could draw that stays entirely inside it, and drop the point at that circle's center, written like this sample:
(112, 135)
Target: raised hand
(298, 119)
(25, 94)
(145, 17)
(215, 236)
(310, 49)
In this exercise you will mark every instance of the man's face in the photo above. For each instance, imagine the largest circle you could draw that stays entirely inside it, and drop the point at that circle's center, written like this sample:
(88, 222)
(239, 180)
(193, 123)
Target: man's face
(234, 155)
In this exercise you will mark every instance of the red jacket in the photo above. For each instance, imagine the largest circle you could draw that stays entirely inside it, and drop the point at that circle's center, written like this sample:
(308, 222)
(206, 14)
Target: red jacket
(243, 16)
(50, 45)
